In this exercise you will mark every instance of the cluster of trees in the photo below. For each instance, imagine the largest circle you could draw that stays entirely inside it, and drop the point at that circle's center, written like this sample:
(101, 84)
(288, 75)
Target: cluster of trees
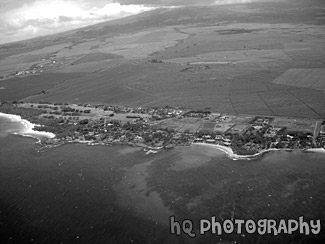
(25, 113)
(155, 61)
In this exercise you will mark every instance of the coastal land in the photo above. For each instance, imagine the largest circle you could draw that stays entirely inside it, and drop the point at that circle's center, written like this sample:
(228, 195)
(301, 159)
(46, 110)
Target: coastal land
(251, 59)
(28, 129)
(221, 75)
(166, 113)
(241, 137)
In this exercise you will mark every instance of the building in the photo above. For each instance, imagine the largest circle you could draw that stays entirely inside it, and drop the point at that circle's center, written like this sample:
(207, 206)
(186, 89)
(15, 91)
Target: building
(210, 141)
(322, 131)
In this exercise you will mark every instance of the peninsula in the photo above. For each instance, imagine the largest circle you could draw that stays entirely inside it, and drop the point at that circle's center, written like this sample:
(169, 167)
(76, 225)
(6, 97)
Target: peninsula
(240, 136)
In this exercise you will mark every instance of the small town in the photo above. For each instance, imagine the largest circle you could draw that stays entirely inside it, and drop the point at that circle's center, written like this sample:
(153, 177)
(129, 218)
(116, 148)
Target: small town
(164, 128)
(45, 64)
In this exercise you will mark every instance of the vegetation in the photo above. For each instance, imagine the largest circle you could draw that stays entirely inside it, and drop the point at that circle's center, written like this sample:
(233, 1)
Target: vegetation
(74, 123)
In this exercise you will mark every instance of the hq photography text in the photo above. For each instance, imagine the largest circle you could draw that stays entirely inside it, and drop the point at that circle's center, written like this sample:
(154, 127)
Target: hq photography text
(241, 226)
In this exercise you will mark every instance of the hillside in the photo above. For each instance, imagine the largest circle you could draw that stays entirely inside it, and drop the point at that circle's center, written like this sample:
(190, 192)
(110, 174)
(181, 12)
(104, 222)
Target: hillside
(265, 59)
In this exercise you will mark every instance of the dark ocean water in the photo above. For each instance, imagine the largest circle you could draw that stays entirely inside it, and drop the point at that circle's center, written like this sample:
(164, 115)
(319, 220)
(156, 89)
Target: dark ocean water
(100, 194)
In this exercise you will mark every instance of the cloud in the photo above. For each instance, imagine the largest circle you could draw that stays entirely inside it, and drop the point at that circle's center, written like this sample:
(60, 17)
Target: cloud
(22, 19)
(168, 2)
(222, 2)
(185, 2)
(47, 17)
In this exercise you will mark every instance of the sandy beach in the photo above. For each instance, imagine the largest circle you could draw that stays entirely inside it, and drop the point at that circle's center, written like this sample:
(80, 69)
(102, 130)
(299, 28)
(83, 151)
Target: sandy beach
(234, 156)
(231, 153)
(28, 127)
(318, 150)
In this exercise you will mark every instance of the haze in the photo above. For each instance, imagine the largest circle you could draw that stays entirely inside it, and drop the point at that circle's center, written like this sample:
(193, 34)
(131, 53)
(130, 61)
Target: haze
(21, 20)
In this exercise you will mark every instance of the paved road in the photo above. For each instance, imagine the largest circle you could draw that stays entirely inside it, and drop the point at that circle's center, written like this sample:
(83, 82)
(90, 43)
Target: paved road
(317, 129)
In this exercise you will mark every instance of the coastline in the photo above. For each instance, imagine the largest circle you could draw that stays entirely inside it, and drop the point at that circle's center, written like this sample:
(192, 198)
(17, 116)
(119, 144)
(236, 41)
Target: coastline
(28, 127)
(234, 156)
(316, 150)
(230, 152)
(28, 131)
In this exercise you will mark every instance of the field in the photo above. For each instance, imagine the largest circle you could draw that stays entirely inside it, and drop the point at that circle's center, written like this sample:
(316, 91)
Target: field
(20, 88)
(183, 124)
(260, 59)
(270, 64)
(239, 128)
(222, 128)
(95, 57)
(309, 78)
(208, 126)
(91, 67)
(302, 124)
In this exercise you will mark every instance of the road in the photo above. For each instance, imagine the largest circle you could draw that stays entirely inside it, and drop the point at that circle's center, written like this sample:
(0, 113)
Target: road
(316, 130)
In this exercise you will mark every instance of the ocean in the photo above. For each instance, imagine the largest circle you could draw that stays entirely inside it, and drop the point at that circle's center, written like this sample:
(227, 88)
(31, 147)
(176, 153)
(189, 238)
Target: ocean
(77, 193)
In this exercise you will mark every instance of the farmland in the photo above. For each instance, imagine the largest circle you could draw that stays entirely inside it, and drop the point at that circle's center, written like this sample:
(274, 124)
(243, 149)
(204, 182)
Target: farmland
(20, 88)
(270, 64)
(181, 111)
(309, 78)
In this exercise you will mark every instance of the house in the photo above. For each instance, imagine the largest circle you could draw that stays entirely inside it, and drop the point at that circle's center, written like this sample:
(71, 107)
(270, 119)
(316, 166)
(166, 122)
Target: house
(210, 141)
(198, 140)
(226, 140)
(322, 131)
(257, 127)
(177, 136)
(138, 138)
(290, 137)
(218, 137)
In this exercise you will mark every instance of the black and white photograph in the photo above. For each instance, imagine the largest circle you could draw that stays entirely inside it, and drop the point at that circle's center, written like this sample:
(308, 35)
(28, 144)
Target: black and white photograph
(162, 121)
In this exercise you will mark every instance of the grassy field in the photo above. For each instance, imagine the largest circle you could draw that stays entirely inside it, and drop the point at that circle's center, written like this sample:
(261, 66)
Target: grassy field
(265, 63)
(95, 57)
(307, 125)
(90, 67)
(19, 88)
(224, 89)
(309, 78)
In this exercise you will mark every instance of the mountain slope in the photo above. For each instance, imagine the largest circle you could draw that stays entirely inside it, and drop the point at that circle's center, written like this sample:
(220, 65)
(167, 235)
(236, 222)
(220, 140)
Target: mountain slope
(222, 57)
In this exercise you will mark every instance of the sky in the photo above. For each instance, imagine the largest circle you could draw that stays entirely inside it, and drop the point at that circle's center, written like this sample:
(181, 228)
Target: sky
(24, 19)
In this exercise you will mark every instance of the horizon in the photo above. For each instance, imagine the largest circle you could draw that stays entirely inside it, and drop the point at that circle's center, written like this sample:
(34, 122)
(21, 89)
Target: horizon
(25, 20)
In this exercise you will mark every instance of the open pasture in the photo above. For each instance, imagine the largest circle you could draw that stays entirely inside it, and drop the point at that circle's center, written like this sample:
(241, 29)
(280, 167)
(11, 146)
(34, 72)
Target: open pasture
(309, 78)
(307, 125)
(32, 58)
(283, 103)
(48, 49)
(253, 65)
(183, 124)
(141, 44)
(314, 99)
(208, 126)
(175, 124)
(223, 89)
(206, 39)
(129, 45)
(253, 104)
(12, 64)
(95, 57)
(234, 57)
(239, 128)
(89, 67)
(191, 124)
(20, 88)
(222, 127)
(108, 87)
